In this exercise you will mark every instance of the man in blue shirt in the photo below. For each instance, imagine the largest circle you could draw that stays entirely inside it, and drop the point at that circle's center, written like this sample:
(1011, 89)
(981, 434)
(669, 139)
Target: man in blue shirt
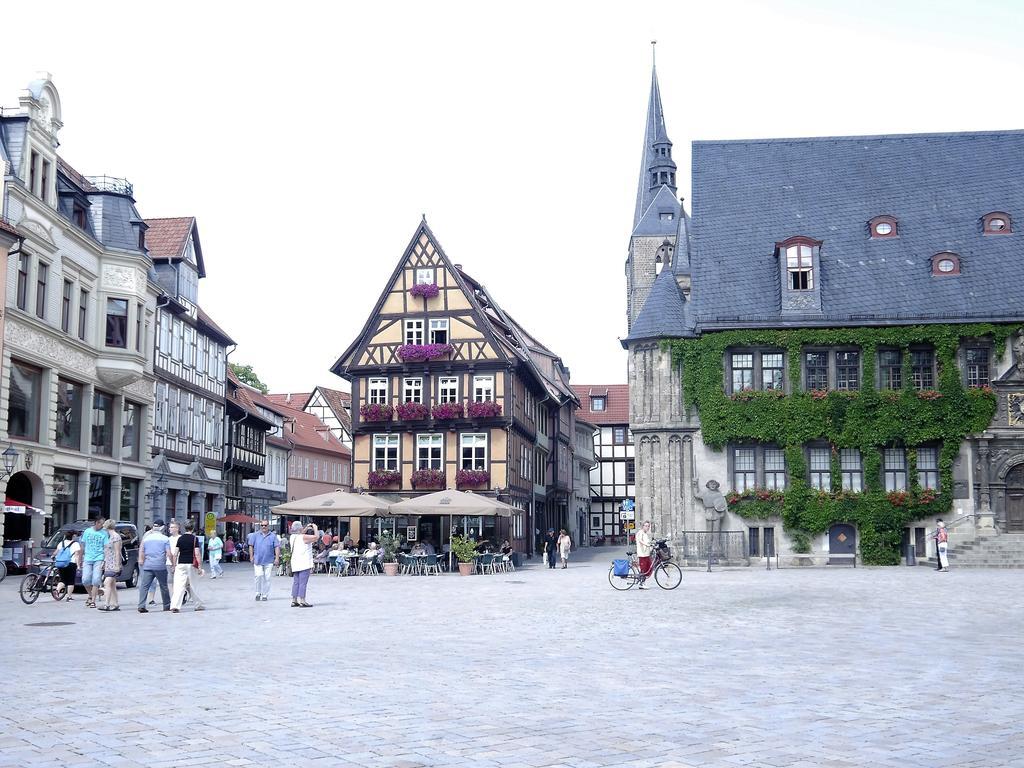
(265, 553)
(154, 556)
(93, 541)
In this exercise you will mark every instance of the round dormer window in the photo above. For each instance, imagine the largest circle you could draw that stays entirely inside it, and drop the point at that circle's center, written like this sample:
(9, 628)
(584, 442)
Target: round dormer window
(997, 225)
(946, 265)
(883, 228)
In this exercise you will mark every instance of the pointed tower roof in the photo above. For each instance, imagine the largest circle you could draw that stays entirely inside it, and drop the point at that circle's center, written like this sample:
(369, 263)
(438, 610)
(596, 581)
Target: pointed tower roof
(657, 152)
(666, 313)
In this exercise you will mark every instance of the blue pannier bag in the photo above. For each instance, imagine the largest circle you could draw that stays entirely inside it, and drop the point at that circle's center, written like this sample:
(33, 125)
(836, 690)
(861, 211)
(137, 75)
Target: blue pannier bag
(620, 567)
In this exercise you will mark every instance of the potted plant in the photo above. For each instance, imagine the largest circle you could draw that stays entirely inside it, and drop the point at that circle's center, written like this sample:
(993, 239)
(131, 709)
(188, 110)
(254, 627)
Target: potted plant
(465, 553)
(412, 411)
(428, 478)
(424, 290)
(376, 412)
(483, 409)
(420, 353)
(472, 478)
(383, 478)
(389, 544)
(448, 411)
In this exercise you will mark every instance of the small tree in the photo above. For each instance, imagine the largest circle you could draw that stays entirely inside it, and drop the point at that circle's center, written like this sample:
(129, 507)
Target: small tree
(247, 375)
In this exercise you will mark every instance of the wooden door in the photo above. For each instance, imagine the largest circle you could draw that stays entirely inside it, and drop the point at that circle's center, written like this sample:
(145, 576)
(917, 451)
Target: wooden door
(1015, 500)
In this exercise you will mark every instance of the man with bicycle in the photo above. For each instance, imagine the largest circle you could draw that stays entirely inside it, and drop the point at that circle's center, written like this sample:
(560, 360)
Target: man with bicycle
(645, 552)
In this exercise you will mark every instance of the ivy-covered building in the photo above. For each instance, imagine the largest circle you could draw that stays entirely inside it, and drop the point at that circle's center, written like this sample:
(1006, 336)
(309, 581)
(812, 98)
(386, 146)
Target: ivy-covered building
(833, 338)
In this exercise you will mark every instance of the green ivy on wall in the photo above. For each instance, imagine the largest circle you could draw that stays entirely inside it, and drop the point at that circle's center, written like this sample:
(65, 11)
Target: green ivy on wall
(867, 419)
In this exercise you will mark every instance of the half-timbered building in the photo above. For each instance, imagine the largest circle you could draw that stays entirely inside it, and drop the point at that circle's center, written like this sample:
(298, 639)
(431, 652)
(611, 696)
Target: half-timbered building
(448, 391)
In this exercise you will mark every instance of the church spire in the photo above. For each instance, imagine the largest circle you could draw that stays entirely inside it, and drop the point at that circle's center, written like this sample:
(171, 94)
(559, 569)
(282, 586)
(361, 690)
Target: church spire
(657, 168)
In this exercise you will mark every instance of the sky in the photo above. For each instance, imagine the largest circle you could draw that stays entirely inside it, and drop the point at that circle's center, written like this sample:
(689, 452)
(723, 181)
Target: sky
(309, 138)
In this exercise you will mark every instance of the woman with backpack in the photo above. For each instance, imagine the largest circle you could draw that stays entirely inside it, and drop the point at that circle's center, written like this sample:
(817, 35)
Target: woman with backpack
(67, 559)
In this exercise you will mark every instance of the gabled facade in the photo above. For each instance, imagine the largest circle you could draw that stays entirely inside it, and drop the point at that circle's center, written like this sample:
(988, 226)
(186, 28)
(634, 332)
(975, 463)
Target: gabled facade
(835, 336)
(189, 354)
(245, 449)
(334, 408)
(449, 391)
(263, 493)
(612, 478)
(77, 379)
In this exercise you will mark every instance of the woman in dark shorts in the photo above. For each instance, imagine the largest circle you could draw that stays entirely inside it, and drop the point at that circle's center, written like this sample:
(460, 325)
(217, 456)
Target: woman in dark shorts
(69, 571)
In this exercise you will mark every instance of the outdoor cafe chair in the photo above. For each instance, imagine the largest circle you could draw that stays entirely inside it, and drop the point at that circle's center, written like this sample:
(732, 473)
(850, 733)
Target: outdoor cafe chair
(430, 565)
(332, 564)
(485, 563)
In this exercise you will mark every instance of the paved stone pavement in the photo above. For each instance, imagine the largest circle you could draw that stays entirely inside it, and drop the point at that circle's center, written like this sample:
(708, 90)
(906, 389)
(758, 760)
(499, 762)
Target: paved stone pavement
(793, 667)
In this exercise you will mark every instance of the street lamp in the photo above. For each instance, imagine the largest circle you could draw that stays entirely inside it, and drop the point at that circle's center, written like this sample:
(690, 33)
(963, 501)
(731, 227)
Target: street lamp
(10, 461)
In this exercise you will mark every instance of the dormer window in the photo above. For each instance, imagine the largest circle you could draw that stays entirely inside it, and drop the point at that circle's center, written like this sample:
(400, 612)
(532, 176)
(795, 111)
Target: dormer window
(666, 216)
(944, 264)
(996, 223)
(597, 403)
(800, 267)
(882, 227)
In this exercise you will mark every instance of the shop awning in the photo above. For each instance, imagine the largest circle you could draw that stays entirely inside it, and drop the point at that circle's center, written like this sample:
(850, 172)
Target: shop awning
(236, 517)
(335, 504)
(21, 508)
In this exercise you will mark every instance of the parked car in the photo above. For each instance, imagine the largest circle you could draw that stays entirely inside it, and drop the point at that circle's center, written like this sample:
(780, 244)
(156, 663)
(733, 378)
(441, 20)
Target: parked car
(129, 549)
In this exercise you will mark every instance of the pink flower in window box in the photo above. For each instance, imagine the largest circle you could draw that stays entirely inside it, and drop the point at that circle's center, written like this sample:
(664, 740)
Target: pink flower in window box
(412, 411)
(424, 290)
(428, 478)
(376, 412)
(418, 353)
(485, 409)
(472, 478)
(448, 411)
(383, 478)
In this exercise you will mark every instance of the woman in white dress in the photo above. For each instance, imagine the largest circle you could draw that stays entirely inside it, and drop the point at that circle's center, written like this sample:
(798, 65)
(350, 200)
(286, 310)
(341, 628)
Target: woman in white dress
(302, 561)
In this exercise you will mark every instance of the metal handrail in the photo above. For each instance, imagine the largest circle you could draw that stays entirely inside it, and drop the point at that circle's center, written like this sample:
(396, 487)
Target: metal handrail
(951, 524)
(112, 184)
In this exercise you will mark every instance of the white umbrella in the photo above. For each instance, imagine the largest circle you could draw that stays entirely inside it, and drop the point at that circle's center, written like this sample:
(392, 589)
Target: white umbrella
(337, 503)
(453, 503)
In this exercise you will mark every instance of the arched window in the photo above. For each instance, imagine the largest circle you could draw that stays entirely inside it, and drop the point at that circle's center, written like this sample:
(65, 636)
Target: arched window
(798, 253)
(882, 227)
(945, 264)
(996, 223)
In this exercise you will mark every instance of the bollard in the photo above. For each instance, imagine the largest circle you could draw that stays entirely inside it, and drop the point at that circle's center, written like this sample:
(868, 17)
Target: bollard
(911, 554)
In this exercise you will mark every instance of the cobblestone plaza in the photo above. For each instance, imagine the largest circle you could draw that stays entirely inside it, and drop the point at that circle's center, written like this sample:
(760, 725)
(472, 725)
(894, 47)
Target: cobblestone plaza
(793, 667)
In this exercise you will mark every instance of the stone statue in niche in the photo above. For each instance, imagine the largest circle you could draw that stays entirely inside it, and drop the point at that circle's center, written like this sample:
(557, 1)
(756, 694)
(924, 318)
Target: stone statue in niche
(1018, 352)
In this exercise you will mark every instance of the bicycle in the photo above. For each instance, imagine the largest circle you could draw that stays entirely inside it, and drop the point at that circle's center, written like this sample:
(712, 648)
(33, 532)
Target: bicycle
(3, 570)
(666, 574)
(46, 580)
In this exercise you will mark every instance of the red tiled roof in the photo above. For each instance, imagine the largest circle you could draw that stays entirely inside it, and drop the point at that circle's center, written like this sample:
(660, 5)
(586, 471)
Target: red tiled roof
(616, 403)
(9, 228)
(289, 399)
(165, 238)
(305, 430)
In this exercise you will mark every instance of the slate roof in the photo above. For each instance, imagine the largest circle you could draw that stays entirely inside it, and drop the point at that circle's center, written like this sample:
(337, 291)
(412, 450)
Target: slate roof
(748, 195)
(654, 130)
(665, 313)
(651, 223)
(207, 321)
(616, 406)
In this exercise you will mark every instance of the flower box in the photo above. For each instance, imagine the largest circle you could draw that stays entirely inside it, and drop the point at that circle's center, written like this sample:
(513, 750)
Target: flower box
(376, 412)
(472, 478)
(428, 478)
(418, 353)
(448, 411)
(383, 478)
(485, 409)
(412, 411)
(424, 290)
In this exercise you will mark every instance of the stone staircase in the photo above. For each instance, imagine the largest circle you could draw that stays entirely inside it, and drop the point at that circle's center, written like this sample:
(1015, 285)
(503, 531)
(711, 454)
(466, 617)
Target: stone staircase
(969, 550)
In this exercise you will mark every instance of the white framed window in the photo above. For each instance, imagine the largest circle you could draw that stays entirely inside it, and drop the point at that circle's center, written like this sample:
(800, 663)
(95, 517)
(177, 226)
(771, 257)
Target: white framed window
(199, 419)
(160, 406)
(202, 352)
(428, 451)
(377, 391)
(305, 469)
(413, 331)
(439, 331)
(190, 346)
(473, 453)
(483, 388)
(799, 266)
(895, 461)
(412, 390)
(179, 340)
(385, 452)
(852, 469)
(163, 331)
(448, 389)
(820, 460)
(316, 470)
(425, 276)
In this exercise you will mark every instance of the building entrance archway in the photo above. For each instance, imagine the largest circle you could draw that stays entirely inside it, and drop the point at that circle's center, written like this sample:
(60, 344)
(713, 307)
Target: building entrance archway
(22, 488)
(1015, 500)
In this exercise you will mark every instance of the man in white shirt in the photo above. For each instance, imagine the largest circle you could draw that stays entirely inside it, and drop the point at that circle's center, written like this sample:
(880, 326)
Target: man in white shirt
(644, 551)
